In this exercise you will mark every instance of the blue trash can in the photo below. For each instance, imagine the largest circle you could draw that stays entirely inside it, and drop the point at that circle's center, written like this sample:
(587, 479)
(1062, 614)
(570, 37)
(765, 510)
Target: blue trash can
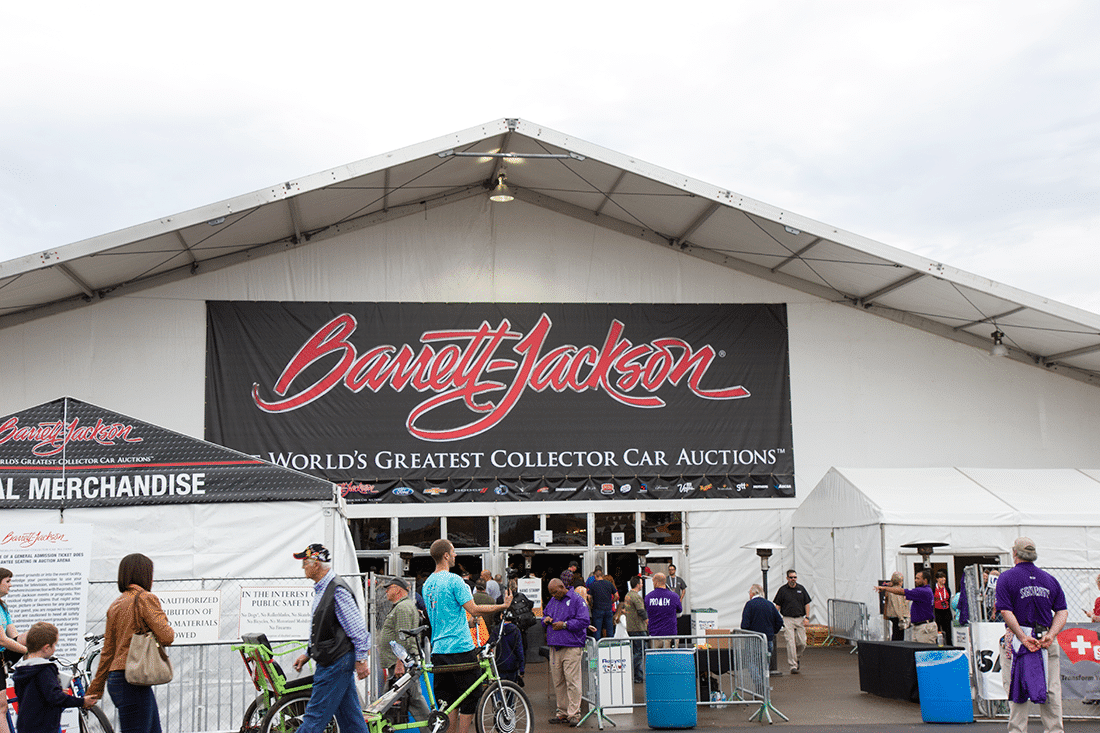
(670, 688)
(943, 679)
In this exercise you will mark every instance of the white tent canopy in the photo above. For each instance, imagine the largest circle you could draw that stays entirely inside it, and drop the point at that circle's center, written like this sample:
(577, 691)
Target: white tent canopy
(850, 530)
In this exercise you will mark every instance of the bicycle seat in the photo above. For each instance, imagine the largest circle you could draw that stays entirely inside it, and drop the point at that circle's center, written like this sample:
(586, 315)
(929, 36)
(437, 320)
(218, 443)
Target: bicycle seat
(257, 640)
(418, 631)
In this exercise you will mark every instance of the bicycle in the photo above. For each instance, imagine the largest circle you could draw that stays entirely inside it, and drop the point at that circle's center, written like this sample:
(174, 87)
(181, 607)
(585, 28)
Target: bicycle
(502, 708)
(93, 719)
(267, 675)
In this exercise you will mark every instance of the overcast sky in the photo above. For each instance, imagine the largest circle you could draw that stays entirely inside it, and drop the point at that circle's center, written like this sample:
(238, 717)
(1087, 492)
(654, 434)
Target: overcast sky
(967, 132)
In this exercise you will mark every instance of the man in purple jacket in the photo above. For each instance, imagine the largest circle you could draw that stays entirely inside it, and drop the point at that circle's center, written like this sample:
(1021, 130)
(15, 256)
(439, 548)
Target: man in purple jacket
(662, 606)
(566, 621)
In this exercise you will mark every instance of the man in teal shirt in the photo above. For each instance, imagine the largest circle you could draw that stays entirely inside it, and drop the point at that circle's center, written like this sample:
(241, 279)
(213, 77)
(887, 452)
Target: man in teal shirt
(448, 599)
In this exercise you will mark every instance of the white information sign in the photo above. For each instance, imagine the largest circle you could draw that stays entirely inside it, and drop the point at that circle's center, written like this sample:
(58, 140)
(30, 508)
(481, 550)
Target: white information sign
(194, 614)
(532, 588)
(544, 535)
(985, 641)
(281, 612)
(615, 672)
(50, 565)
(618, 539)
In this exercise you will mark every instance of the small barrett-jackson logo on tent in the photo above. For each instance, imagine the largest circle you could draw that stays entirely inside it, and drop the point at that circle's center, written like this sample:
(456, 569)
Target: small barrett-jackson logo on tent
(51, 438)
(631, 374)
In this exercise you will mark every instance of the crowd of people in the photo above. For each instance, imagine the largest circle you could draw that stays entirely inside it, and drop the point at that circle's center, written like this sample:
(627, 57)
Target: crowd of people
(1029, 600)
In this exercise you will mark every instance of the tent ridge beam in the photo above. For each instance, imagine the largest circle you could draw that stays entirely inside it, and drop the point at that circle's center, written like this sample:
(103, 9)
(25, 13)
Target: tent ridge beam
(74, 278)
(607, 195)
(991, 319)
(798, 255)
(699, 221)
(1070, 354)
(186, 248)
(872, 297)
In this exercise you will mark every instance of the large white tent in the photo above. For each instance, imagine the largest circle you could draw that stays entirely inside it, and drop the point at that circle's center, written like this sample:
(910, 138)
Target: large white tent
(850, 530)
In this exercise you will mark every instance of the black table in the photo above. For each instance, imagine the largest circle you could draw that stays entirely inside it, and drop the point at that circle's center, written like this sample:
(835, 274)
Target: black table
(889, 668)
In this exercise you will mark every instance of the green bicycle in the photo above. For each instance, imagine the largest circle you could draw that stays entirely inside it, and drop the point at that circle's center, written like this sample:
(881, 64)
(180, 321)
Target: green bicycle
(502, 707)
(271, 683)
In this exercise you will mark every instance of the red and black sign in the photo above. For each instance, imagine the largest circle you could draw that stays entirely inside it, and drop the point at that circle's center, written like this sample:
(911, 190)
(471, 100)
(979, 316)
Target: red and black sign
(433, 401)
(67, 453)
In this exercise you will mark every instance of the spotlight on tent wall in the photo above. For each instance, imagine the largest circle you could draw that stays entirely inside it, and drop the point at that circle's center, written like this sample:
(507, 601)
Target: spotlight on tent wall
(501, 193)
(999, 349)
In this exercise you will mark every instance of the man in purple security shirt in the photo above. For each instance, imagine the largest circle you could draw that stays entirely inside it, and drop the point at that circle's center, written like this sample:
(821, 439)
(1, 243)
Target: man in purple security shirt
(566, 620)
(662, 606)
(1034, 609)
(921, 612)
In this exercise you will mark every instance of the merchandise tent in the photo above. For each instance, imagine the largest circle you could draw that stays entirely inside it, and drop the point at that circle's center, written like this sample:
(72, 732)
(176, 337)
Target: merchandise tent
(850, 530)
(198, 509)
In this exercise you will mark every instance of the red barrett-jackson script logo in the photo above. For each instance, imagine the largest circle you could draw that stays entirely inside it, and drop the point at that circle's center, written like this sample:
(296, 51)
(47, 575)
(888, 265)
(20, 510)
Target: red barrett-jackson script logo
(456, 372)
(50, 438)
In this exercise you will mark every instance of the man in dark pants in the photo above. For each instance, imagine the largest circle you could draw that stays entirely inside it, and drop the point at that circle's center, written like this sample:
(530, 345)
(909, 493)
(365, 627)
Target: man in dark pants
(633, 608)
(793, 601)
(762, 617)
(338, 643)
(602, 595)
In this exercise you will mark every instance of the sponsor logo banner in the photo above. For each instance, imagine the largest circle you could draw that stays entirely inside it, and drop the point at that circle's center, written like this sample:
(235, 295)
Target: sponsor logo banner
(433, 396)
(68, 453)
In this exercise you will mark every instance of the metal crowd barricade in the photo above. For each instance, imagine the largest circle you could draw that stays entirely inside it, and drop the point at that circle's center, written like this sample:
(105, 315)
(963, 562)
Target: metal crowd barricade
(211, 687)
(848, 620)
(730, 669)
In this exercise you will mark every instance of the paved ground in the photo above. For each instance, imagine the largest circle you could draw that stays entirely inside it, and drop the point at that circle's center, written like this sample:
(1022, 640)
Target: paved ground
(824, 697)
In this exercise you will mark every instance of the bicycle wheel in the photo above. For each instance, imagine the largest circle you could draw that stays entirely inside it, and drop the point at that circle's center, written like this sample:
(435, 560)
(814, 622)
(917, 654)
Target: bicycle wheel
(254, 716)
(94, 720)
(504, 711)
(285, 716)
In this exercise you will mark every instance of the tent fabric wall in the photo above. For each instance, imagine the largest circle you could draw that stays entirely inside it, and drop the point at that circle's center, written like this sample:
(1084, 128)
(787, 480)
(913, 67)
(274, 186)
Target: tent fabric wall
(720, 576)
(216, 540)
(850, 530)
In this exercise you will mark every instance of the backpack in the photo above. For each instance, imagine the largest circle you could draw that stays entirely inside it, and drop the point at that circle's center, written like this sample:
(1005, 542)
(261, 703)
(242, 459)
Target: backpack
(524, 611)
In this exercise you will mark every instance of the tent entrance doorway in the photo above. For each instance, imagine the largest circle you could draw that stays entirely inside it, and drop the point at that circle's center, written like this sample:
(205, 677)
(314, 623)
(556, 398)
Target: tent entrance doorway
(621, 567)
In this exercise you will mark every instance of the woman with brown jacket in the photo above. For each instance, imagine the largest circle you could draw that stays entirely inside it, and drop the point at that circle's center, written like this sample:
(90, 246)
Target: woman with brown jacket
(136, 705)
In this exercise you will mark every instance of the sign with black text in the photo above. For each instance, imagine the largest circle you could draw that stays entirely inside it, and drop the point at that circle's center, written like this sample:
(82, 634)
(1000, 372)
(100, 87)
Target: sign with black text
(68, 453)
(489, 401)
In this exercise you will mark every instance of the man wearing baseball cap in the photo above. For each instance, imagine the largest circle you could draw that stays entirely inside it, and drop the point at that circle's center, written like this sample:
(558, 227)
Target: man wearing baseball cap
(1034, 609)
(402, 617)
(338, 643)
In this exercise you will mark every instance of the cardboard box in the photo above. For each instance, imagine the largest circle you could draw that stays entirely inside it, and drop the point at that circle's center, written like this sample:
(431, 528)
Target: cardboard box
(722, 643)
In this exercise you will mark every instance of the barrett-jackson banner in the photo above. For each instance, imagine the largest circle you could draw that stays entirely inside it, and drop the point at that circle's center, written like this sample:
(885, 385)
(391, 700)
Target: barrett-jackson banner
(67, 453)
(445, 402)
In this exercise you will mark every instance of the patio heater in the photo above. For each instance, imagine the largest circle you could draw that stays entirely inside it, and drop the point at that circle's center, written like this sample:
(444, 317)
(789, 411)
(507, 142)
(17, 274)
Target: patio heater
(528, 549)
(406, 552)
(764, 551)
(925, 550)
(641, 549)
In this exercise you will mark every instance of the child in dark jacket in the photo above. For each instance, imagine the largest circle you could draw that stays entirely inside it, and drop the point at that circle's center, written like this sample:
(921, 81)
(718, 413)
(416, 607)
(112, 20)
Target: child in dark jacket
(510, 659)
(41, 699)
